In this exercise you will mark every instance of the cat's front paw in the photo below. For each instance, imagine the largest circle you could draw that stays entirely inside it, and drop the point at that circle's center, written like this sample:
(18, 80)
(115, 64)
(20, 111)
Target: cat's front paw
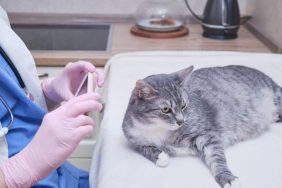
(163, 160)
(233, 184)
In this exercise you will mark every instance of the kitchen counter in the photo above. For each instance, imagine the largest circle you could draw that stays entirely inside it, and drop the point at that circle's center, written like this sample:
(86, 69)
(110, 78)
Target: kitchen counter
(123, 41)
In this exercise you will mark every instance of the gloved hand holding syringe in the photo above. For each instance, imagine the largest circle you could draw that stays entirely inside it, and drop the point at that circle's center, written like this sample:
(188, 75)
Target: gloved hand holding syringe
(61, 130)
(69, 82)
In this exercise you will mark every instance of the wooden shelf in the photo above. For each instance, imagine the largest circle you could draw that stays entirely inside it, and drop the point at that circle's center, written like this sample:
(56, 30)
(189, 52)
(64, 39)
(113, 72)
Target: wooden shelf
(124, 41)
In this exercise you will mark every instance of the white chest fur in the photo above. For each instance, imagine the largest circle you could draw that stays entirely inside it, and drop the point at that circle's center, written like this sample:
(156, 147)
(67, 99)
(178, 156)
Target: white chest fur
(149, 134)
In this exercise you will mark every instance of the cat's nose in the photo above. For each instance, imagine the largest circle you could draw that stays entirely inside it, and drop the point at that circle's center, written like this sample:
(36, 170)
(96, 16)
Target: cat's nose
(180, 122)
(179, 119)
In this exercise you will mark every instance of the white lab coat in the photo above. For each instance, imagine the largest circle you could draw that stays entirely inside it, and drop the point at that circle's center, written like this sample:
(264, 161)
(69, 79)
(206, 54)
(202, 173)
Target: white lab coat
(24, 62)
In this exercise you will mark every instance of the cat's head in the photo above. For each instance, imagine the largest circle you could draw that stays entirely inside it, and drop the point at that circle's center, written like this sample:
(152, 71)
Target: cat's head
(162, 99)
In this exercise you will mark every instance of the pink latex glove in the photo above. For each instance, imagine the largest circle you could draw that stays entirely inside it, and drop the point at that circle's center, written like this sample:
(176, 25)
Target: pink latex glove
(64, 86)
(59, 134)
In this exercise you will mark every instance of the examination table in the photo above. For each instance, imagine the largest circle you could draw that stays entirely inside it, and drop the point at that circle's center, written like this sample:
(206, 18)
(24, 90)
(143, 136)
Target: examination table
(257, 162)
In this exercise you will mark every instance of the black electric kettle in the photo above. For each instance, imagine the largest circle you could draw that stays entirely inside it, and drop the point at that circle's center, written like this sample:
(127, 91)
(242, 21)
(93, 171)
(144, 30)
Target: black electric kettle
(221, 19)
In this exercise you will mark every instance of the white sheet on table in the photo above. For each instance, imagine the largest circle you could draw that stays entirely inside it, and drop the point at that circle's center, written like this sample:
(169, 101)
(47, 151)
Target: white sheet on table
(257, 162)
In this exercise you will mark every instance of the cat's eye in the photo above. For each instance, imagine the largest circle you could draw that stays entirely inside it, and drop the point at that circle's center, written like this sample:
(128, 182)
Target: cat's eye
(166, 110)
(183, 104)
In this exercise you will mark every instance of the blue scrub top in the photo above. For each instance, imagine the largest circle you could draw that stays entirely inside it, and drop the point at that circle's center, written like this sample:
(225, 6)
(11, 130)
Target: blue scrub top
(27, 119)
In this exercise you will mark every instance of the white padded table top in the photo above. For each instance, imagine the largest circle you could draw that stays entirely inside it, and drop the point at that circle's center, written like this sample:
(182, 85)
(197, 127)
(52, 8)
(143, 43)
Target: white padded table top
(257, 162)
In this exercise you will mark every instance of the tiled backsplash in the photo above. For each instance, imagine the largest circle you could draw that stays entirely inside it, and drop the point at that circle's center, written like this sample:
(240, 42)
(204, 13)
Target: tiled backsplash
(127, 7)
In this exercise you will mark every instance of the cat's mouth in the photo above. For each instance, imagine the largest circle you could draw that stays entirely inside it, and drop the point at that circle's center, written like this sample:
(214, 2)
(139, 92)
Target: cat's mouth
(174, 127)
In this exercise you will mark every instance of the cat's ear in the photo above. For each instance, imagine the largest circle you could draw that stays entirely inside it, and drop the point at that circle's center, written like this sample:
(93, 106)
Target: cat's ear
(144, 90)
(184, 74)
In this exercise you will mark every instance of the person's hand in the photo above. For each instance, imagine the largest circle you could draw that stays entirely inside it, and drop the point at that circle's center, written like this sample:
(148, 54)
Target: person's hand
(59, 134)
(64, 86)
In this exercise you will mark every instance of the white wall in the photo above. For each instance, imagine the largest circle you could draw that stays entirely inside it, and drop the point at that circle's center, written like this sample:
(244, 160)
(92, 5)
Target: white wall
(267, 18)
(121, 7)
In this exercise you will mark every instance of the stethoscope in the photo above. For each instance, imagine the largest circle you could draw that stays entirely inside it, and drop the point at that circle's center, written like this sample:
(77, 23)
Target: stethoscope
(4, 130)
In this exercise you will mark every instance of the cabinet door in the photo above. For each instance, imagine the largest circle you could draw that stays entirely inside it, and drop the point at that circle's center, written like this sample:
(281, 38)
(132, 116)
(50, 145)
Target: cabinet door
(44, 72)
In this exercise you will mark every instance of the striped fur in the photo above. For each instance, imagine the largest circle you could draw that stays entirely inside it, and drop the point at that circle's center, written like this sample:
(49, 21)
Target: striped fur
(210, 109)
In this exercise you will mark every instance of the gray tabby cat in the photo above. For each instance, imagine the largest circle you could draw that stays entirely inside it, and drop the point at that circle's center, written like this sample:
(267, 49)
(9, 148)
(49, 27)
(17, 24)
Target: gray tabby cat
(201, 113)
